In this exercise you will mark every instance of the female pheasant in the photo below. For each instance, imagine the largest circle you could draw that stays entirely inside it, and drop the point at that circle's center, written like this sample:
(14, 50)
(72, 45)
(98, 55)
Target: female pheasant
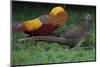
(45, 24)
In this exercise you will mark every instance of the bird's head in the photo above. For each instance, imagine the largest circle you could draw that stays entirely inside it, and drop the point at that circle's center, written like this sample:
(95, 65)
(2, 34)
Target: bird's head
(86, 21)
(87, 17)
(57, 16)
(56, 10)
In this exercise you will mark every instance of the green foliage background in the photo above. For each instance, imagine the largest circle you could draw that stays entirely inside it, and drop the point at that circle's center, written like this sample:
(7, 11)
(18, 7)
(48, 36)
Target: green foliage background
(42, 52)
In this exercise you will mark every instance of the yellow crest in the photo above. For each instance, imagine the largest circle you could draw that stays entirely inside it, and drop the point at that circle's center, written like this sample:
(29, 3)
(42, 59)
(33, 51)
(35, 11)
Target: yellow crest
(56, 10)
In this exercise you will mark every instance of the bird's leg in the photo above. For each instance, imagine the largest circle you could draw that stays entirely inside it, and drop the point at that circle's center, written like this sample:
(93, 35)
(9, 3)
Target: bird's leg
(29, 36)
(82, 39)
(86, 37)
(79, 42)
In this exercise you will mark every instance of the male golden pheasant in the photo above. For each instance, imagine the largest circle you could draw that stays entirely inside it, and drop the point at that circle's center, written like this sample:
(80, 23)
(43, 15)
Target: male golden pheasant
(44, 24)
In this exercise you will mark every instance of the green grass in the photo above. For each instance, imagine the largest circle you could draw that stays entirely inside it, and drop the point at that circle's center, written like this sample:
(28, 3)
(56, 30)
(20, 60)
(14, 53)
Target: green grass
(42, 52)
(31, 52)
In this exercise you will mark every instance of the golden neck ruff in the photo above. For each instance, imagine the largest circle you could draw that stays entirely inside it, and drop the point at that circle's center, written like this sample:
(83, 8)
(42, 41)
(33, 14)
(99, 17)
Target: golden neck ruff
(58, 19)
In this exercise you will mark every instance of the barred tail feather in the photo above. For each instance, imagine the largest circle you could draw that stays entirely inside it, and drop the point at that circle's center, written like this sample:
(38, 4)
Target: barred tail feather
(47, 38)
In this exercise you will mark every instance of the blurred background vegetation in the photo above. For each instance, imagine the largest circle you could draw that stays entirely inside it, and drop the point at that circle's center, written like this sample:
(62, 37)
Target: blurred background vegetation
(35, 52)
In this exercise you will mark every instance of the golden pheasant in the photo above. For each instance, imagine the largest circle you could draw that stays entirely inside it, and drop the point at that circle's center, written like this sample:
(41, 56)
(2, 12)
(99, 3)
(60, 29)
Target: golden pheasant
(44, 24)
(75, 37)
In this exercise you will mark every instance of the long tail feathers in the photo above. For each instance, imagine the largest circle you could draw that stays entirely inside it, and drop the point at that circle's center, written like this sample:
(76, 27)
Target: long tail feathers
(46, 38)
